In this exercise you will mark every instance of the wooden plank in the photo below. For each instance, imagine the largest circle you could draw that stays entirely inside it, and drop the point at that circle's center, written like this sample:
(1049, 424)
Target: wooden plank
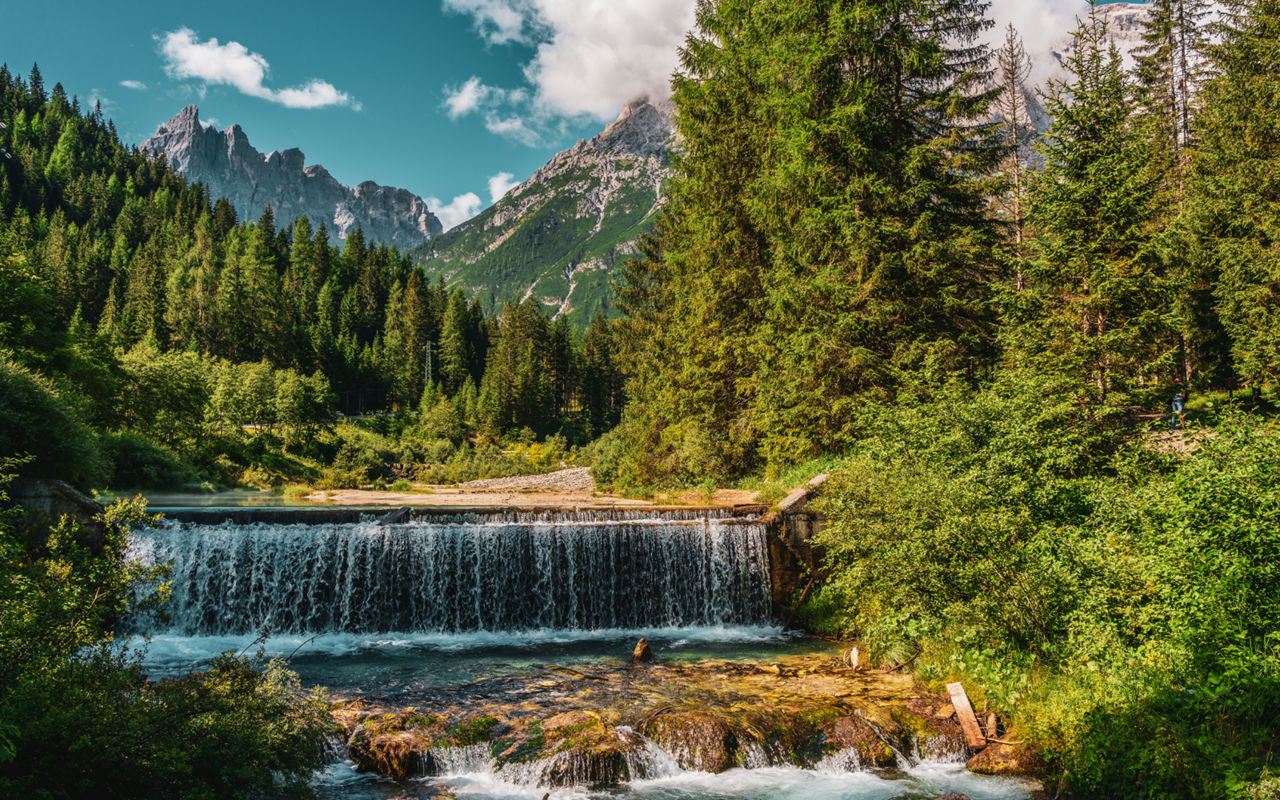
(968, 721)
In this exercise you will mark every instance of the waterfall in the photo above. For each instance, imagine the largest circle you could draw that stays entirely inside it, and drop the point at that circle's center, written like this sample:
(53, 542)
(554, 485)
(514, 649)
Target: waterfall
(462, 572)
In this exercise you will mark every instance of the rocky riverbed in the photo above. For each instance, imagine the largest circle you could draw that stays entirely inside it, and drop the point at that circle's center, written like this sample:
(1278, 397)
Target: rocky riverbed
(609, 723)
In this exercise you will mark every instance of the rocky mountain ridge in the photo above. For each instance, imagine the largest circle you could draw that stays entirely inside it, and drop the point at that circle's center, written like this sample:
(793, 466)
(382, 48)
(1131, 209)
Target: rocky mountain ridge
(231, 167)
(558, 236)
(1124, 29)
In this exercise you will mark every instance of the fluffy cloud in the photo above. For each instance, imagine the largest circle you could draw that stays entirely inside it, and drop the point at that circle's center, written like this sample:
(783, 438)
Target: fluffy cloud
(590, 58)
(232, 64)
(135, 85)
(466, 98)
(512, 127)
(500, 184)
(1042, 24)
(498, 21)
(603, 53)
(593, 56)
(459, 210)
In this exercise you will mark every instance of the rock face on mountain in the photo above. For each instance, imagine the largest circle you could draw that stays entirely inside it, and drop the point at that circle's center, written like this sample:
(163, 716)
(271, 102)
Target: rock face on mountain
(559, 236)
(1124, 29)
(230, 167)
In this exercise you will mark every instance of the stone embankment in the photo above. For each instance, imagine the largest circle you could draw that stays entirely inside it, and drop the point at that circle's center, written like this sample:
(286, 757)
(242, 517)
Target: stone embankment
(607, 724)
(575, 479)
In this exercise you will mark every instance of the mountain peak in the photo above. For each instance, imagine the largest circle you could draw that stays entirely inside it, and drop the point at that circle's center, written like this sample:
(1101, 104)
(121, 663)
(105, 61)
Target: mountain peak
(558, 236)
(231, 167)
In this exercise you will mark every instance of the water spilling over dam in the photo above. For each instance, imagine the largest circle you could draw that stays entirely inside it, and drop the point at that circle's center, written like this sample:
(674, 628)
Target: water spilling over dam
(458, 572)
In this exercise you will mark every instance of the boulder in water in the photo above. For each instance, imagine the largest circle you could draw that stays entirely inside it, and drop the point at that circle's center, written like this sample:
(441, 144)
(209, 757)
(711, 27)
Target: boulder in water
(575, 748)
(855, 735)
(1006, 759)
(698, 742)
(642, 654)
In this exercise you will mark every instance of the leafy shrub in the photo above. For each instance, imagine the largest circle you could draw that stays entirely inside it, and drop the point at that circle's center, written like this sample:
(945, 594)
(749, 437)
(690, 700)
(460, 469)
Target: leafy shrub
(139, 463)
(1122, 604)
(35, 422)
(79, 717)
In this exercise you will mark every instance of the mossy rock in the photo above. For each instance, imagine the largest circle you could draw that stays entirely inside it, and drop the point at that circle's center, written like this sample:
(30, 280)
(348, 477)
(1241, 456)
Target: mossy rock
(854, 733)
(1007, 760)
(923, 733)
(576, 748)
(394, 754)
(698, 742)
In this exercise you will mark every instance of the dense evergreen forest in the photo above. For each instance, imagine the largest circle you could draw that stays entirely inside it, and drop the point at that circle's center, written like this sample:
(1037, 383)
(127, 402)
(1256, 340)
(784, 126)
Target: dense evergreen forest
(872, 257)
(155, 317)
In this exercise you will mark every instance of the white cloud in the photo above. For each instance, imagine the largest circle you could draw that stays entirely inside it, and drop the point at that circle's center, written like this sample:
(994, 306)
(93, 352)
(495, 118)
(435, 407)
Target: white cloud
(97, 99)
(500, 184)
(135, 85)
(232, 64)
(466, 98)
(1043, 25)
(459, 210)
(591, 57)
(512, 127)
(498, 21)
(603, 53)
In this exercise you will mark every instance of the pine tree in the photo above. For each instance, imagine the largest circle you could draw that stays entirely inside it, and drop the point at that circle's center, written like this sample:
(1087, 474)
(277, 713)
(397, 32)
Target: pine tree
(1235, 197)
(1170, 71)
(35, 86)
(1014, 107)
(602, 379)
(828, 223)
(455, 346)
(1107, 300)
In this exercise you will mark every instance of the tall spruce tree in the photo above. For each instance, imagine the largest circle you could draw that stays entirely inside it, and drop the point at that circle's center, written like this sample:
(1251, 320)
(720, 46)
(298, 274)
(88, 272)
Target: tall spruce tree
(827, 231)
(1107, 302)
(1235, 194)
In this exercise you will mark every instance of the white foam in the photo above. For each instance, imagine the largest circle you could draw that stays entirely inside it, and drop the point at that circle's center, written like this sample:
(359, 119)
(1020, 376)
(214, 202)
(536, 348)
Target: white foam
(171, 650)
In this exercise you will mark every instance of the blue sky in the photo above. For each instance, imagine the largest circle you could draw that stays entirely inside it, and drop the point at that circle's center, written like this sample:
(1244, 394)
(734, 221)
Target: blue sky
(451, 99)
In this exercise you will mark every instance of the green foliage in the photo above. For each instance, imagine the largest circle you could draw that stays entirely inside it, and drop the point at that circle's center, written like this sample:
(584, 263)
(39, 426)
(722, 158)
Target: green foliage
(1120, 604)
(35, 422)
(1099, 298)
(137, 462)
(78, 716)
(1235, 196)
(825, 233)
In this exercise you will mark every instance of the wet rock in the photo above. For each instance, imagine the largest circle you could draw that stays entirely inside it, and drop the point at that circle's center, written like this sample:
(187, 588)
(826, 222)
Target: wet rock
(642, 654)
(575, 748)
(396, 755)
(854, 735)
(954, 796)
(925, 735)
(698, 742)
(1006, 759)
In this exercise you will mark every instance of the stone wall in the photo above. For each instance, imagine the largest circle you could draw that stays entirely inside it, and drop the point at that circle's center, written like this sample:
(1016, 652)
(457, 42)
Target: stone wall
(795, 563)
(51, 500)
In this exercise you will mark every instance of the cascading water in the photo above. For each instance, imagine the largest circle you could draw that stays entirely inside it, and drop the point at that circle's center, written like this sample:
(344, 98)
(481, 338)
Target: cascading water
(463, 572)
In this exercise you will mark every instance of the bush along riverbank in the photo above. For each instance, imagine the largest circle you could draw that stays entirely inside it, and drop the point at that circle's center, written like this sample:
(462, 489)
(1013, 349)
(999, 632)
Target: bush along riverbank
(1118, 601)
